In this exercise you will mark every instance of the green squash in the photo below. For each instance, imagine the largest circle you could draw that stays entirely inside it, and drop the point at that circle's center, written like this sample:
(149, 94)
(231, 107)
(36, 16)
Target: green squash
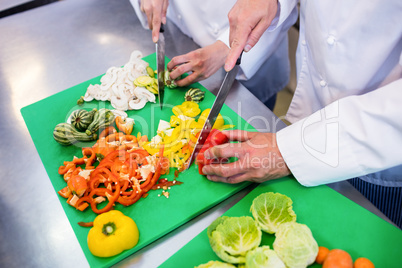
(66, 134)
(169, 82)
(81, 119)
(102, 119)
(195, 95)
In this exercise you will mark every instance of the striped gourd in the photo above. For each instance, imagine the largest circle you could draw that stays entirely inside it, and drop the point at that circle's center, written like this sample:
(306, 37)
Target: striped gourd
(66, 134)
(81, 119)
(169, 82)
(195, 95)
(102, 119)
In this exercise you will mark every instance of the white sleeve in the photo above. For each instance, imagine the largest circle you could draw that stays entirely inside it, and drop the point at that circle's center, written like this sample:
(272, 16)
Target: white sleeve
(286, 10)
(265, 48)
(141, 16)
(354, 136)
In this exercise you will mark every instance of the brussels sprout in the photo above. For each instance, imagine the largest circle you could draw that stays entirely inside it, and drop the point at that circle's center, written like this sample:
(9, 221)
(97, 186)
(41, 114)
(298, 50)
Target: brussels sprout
(295, 245)
(262, 257)
(232, 237)
(216, 264)
(271, 210)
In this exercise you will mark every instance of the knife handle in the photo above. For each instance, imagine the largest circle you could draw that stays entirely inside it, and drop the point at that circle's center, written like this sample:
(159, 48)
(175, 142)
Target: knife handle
(239, 58)
(162, 28)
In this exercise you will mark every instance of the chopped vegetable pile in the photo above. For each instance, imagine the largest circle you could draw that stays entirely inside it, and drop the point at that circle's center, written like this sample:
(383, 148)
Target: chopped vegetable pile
(117, 85)
(125, 173)
(180, 134)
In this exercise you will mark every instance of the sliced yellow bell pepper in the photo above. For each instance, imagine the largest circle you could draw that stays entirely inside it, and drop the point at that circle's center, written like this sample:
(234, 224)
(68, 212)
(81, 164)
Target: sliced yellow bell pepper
(112, 233)
(185, 127)
(187, 108)
(174, 121)
(219, 123)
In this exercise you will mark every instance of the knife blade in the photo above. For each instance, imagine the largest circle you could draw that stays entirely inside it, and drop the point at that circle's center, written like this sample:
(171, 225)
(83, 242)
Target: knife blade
(160, 63)
(215, 110)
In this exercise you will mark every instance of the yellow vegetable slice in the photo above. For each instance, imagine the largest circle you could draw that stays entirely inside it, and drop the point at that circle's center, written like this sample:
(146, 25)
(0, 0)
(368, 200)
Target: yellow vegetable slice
(143, 81)
(151, 89)
(187, 108)
(219, 123)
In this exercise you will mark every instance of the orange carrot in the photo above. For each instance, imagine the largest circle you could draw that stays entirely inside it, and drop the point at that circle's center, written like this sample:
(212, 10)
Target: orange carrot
(338, 258)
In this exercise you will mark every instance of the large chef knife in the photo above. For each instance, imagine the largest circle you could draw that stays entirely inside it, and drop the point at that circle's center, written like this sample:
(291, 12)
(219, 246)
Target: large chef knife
(216, 108)
(160, 63)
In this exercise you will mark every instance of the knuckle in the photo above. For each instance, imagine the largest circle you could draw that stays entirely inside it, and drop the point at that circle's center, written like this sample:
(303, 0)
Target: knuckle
(235, 43)
(198, 64)
(216, 152)
(147, 8)
(179, 70)
(224, 171)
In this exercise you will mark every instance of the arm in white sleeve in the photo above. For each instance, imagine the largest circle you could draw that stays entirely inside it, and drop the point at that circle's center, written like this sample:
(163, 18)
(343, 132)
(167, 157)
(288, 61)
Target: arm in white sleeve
(354, 136)
(141, 16)
(286, 9)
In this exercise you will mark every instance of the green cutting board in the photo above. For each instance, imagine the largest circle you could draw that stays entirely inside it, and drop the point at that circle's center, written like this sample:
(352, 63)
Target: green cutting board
(335, 221)
(155, 215)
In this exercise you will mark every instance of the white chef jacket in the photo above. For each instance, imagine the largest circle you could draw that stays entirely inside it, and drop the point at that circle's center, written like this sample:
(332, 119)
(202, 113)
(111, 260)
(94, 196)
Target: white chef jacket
(207, 22)
(347, 108)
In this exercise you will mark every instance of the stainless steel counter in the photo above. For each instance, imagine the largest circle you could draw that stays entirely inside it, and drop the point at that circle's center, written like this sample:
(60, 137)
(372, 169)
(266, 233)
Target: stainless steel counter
(49, 49)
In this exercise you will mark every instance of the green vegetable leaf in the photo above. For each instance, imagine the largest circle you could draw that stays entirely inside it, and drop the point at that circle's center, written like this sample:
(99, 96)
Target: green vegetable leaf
(232, 237)
(271, 210)
(295, 245)
(216, 264)
(262, 257)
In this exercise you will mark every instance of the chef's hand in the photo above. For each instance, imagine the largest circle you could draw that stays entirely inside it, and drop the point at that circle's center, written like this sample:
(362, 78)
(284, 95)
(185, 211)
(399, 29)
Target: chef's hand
(248, 20)
(202, 63)
(258, 158)
(155, 10)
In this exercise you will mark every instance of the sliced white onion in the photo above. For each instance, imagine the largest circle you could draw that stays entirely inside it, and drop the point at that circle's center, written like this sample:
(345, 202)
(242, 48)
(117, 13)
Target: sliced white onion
(117, 85)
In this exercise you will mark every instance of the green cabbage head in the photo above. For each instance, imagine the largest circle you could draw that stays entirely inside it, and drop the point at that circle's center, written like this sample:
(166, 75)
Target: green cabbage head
(216, 264)
(271, 210)
(232, 237)
(295, 245)
(262, 257)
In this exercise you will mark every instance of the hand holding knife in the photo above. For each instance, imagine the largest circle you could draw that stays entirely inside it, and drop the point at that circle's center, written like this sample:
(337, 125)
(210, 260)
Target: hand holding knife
(216, 108)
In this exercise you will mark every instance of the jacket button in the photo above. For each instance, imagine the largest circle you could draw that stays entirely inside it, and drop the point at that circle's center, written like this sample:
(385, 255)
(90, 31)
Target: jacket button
(331, 40)
(323, 83)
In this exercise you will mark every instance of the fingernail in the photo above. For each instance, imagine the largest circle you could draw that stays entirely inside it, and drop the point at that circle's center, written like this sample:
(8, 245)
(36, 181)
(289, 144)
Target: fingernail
(227, 67)
(247, 48)
(154, 39)
(206, 155)
(203, 170)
